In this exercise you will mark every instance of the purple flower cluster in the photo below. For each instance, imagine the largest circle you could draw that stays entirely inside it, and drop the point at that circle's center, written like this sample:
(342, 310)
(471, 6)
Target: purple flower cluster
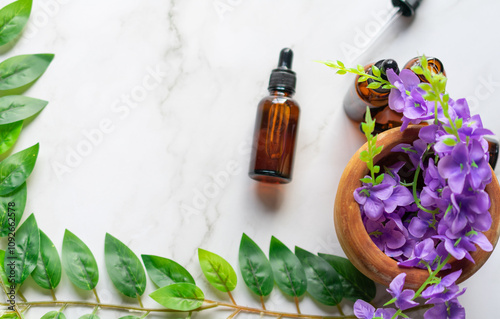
(443, 295)
(443, 209)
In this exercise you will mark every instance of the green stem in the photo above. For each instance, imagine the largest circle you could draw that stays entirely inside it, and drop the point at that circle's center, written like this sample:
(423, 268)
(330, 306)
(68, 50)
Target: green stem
(96, 296)
(415, 197)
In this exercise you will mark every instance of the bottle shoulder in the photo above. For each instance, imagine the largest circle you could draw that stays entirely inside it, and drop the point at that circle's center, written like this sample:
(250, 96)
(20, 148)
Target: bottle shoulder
(279, 99)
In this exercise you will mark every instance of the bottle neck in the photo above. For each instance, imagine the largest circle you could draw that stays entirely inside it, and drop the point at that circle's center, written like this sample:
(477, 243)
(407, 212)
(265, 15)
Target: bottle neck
(277, 92)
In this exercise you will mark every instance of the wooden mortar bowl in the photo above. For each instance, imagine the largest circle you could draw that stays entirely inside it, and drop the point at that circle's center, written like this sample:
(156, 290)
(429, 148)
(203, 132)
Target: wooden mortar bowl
(356, 242)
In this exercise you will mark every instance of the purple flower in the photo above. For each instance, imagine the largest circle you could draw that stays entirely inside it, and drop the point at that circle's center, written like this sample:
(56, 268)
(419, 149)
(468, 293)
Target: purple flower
(445, 283)
(363, 310)
(424, 251)
(480, 173)
(385, 235)
(455, 167)
(403, 297)
(415, 152)
(371, 197)
(449, 310)
(406, 81)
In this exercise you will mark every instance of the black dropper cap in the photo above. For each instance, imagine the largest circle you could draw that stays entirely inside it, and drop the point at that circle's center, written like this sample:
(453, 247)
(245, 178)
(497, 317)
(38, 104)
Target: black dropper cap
(283, 78)
(407, 7)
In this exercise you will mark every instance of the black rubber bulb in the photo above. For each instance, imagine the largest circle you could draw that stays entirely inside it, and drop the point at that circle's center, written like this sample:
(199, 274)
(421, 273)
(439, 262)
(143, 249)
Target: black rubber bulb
(388, 64)
(286, 58)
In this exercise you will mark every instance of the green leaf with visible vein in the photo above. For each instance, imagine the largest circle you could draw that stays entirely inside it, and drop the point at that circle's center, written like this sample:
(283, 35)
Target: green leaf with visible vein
(13, 18)
(15, 108)
(255, 267)
(3, 275)
(355, 284)
(47, 273)
(217, 270)
(124, 268)
(15, 169)
(22, 70)
(9, 134)
(287, 269)
(10, 215)
(54, 315)
(323, 282)
(182, 296)
(78, 262)
(164, 272)
(23, 256)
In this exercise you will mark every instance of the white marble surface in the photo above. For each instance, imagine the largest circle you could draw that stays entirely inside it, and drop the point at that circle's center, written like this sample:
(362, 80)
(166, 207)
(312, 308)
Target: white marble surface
(151, 112)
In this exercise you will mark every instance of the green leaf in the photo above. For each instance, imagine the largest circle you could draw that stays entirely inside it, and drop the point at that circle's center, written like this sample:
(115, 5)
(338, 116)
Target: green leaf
(22, 70)
(23, 255)
(10, 216)
(287, 269)
(341, 72)
(449, 142)
(15, 169)
(340, 63)
(417, 69)
(425, 86)
(374, 85)
(15, 108)
(217, 270)
(376, 169)
(3, 275)
(366, 180)
(375, 71)
(9, 134)
(164, 272)
(124, 268)
(54, 315)
(89, 316)
(362, 78)
(130, 317)
(379, 179)
(9, 316)
(430, 97)
(360, 68)
(78, 262)
(355, 285)
(387, 86)
(47, 273)
(182, 296)
(13, 18)
(448, 130)
(459, 123)
(323, 282)
(255, 267)
(378, 150)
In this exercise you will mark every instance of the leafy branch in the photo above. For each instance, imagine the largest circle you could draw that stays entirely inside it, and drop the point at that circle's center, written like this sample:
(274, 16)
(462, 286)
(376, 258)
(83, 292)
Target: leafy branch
(328, 279)
(375, 74)
(373, 150)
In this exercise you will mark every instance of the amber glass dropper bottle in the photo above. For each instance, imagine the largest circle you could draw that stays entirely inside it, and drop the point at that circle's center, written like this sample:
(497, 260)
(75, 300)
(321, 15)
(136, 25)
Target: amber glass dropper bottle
(359, 95)
(276, 126)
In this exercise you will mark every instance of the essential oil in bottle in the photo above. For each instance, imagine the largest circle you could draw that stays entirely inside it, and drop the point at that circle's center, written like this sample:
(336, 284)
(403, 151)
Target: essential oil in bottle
(276, 126)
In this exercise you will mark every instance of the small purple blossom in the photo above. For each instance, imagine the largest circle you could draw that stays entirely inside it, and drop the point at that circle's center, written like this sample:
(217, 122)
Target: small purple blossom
(363, 310)
(455, 167)
(449, 310)
(403, 297)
